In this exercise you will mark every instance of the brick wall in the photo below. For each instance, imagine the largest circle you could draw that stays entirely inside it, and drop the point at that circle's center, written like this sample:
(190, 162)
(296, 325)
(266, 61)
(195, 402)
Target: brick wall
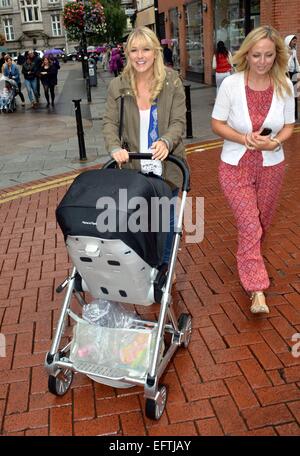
(165, 5)
(282, 14)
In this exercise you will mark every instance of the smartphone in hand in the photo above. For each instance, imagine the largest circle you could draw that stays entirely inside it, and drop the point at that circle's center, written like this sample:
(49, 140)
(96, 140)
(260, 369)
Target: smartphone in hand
(266, 132)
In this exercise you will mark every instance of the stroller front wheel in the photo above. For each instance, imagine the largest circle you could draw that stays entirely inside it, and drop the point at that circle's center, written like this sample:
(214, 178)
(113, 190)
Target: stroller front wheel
(155, 407)
(60, 384)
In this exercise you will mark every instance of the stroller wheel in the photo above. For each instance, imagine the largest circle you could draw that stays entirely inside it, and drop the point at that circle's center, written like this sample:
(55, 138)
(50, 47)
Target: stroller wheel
(185, 326)
(155, 407)
(60, 384)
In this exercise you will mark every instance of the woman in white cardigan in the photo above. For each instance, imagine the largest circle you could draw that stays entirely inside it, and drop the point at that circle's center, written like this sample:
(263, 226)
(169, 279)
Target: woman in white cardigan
(258, 97)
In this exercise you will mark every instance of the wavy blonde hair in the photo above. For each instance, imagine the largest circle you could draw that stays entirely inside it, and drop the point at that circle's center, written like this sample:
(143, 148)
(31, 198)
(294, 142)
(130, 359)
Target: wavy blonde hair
(280, 65)
(146, 37)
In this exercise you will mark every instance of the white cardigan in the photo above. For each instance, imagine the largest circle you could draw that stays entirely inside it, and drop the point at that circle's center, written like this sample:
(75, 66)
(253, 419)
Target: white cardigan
(231, 106)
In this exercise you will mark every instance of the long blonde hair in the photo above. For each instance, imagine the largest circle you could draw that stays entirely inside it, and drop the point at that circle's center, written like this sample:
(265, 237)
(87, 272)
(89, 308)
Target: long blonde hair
(280, 65)
(146, 36)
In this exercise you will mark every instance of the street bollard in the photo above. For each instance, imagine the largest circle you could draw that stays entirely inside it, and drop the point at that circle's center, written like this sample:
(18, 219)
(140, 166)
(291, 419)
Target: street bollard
(189, 125)
(88, 89)
(80, 132)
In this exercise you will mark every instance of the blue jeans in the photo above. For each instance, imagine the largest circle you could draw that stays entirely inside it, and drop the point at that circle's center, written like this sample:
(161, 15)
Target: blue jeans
(169, 240)
(31, 86)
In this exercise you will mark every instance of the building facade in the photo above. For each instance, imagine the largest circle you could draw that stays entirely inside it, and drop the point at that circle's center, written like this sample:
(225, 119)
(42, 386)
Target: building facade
(193, 27)
(29, 24)
(145, 14)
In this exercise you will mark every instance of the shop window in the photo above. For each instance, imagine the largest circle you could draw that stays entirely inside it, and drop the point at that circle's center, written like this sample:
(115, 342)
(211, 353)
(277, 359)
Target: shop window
(194, 37)
(174, 25)
(230, 21)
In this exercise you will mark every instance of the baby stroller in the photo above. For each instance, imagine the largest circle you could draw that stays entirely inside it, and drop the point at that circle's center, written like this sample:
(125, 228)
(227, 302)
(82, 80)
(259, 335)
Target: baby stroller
(124, 266)
(8, 92)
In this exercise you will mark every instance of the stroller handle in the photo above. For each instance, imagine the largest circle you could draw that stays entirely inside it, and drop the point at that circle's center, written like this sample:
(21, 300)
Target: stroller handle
(177, 161)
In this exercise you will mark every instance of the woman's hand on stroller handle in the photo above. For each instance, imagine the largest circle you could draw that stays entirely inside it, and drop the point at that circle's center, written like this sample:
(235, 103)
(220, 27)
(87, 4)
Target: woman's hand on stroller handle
(120, 156)
(160, 150)
(138, 156)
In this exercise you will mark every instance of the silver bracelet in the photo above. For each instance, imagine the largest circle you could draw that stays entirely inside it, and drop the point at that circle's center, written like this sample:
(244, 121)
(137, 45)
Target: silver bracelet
(279, 145)
(246, 143)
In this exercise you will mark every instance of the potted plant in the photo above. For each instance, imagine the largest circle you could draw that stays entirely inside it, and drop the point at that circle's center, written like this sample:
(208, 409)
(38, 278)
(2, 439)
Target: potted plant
(83, 17)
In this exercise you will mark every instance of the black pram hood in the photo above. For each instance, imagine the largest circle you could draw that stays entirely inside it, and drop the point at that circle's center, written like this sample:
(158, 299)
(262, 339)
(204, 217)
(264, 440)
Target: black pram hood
(77, 213)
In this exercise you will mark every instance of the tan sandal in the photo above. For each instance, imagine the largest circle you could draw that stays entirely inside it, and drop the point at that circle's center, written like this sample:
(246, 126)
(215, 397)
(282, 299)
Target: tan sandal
(259, 303)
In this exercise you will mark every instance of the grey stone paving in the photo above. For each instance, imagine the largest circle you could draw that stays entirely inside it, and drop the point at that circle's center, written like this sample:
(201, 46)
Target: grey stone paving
(44, 142)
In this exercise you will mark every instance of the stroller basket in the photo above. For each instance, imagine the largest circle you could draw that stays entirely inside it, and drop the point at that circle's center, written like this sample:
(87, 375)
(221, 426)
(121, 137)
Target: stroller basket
(124, 266)
(126, 350)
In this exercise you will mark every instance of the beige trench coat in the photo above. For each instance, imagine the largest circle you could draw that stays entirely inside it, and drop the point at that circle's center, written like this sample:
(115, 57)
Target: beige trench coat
(171, 121)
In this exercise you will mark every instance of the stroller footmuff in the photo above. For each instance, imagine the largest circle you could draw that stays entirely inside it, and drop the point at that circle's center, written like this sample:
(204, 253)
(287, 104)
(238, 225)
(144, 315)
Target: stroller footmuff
(113, 224)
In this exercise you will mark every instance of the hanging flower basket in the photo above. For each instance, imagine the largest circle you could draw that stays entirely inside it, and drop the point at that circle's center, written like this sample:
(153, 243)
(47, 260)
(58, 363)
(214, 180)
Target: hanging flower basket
(2, 39)
(80, 17)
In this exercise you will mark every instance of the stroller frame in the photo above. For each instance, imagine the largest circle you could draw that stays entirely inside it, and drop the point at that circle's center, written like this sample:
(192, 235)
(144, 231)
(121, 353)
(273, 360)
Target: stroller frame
(12, 103)
(60, 368)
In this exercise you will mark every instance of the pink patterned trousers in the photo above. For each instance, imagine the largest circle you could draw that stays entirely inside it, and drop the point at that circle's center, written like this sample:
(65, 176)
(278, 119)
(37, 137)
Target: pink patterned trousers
(252, 191)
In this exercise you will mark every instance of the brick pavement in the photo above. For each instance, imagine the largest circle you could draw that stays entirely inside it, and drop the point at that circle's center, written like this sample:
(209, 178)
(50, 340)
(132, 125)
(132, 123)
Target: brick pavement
(238, 375)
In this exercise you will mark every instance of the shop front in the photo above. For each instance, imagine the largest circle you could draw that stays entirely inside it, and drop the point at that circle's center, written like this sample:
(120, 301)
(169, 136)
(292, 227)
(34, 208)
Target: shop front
(185, 29)
(233, 20)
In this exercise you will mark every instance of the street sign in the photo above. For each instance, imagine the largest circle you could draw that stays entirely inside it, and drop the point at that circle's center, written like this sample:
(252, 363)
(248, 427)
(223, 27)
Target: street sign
(130, 11)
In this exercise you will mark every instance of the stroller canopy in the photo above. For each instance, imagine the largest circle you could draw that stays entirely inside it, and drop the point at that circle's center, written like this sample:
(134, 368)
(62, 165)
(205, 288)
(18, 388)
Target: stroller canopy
(4, 81)
(111, 195)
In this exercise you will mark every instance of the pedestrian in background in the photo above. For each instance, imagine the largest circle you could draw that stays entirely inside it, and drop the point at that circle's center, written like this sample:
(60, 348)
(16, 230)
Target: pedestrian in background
(48, 75)
(2, 60)
(258, 96)
(30, 70)
(221, 63)
(168, 56)
(175, 53)
(154, 112)
(37, 61)
(54, 60)
(20, 59)
(11, 71)
(106, 59)
(115, 63)
(293, 66)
